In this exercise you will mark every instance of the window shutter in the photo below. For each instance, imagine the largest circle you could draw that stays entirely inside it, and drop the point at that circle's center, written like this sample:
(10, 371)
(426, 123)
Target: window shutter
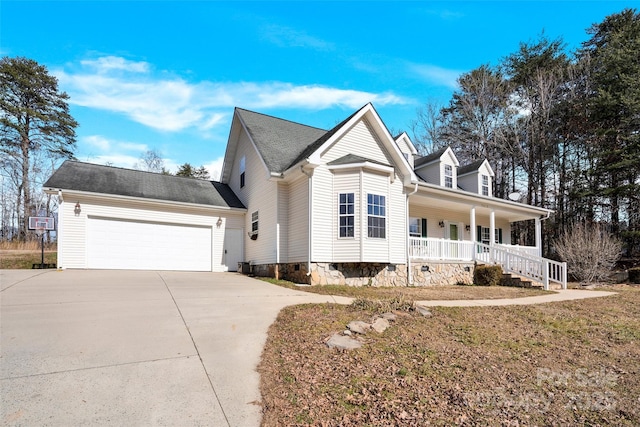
(500, 235)
(479, 233)
(423, 227)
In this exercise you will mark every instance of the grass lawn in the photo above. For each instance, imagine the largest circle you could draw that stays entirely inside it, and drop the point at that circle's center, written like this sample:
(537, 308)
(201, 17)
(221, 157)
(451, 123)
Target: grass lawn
(568, 363)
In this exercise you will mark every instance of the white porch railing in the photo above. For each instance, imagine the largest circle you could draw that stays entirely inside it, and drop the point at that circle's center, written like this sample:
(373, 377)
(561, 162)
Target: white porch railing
(512, 260)
(529, 250)
(444, 249)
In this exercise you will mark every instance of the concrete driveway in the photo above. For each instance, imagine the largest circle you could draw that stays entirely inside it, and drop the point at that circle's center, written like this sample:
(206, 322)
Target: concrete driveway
(134, 347)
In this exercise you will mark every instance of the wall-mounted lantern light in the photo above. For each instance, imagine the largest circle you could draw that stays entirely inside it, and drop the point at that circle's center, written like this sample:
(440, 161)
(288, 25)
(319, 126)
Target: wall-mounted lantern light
(441, 224)
(77, 209)
(467, 227)
(219, 222)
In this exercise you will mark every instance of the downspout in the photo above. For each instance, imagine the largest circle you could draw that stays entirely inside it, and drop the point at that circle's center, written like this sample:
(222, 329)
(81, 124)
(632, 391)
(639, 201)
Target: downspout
(309, 175)
(539, 232)
(60, 242)
(409, 275)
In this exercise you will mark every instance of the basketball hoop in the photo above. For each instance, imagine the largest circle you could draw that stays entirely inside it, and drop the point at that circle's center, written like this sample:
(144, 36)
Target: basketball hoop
(40, 231)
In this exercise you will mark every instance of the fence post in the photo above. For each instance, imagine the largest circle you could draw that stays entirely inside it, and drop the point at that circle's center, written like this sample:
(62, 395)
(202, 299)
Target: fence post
(545, 274)
(564, 275)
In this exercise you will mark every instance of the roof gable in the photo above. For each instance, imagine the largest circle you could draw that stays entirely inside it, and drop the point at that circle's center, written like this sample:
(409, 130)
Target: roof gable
(279, 142)
(437, 156)
(476, 167)
(92, 178)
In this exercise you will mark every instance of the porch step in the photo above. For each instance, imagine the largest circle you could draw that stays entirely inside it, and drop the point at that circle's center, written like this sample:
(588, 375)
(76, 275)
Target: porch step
(509, 279)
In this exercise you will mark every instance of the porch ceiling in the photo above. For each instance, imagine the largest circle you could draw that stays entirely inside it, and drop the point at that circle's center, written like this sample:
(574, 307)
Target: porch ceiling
(462, 201)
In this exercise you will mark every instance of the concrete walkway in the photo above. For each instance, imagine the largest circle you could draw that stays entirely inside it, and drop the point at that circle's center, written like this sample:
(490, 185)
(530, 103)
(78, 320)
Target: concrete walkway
(135, 347)
(562, 295)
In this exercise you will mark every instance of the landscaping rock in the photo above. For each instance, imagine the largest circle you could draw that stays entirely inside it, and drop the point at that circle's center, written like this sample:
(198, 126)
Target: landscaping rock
(389, 316)
(343, 342)
(424, 311)
(380, 325)
(359, 326)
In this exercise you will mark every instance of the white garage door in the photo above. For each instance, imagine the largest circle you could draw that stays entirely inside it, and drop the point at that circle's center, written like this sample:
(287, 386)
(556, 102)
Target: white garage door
(132, 245)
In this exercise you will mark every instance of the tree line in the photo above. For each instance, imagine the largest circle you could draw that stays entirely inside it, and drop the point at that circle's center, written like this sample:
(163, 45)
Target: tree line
(37, 132)
(560, 128)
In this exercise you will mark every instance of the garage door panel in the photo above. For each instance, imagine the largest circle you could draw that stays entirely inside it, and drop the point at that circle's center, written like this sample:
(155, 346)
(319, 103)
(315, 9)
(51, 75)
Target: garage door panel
(122, 244)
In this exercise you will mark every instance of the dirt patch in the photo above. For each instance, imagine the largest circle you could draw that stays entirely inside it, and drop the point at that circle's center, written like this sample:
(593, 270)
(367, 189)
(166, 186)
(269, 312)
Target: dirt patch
(570, 363)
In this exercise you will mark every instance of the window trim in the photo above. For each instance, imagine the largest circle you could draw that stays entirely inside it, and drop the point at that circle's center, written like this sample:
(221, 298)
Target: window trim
(448, 175)
(346, 215)
(255, 222)
(485, 185)
(242, 170)
(377, 230)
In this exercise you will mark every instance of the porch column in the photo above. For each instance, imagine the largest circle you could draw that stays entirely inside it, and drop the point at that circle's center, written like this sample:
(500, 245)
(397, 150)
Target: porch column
(539, 236)
(492, 228)
(472, 224)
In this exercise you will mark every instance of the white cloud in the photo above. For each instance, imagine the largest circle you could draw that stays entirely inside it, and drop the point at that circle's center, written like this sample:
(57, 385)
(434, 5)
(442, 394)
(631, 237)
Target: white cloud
(108, 63)
(215, 168)
(173, 104)
(437, 75)
(98, 142)
(289, 37)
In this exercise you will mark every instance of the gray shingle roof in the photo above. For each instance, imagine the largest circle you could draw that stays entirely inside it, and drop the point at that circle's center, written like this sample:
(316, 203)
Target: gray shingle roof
(280, 142)
(430, 157)
(470, 167)
(79, 176)
(352, 158)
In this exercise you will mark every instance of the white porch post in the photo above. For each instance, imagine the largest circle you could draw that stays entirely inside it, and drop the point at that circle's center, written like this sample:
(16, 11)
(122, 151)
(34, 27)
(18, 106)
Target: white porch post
(472, 224)
(539, 236)
(492, 228)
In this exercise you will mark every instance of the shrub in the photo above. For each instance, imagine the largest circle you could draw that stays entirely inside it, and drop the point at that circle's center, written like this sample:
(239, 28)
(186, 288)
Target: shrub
(634, 275)
(487, 275)
(589, 251)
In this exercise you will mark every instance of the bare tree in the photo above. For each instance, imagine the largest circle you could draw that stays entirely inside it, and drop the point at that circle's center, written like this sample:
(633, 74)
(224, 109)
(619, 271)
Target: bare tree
(426, 128)
(589, 251)
(150, 161)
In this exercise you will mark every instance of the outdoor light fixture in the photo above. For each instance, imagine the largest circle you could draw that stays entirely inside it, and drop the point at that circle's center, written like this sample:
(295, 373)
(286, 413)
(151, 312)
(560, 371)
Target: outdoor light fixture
(219, 222)
(441, 224)
(467, 227)
(76, 209)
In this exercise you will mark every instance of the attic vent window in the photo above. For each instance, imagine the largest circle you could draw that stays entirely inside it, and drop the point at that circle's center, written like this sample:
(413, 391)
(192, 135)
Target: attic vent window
(448, 176)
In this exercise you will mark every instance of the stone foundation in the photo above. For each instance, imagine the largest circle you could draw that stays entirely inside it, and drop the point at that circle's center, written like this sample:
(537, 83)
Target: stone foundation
(370, 274)
(442, 273)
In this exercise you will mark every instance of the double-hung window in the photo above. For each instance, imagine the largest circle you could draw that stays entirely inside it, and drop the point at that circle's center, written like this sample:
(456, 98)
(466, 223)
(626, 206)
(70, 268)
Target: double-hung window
(346, 214)
(485, 185)
(242, 167)
(376, 216)
(448, 176)
(254, 222)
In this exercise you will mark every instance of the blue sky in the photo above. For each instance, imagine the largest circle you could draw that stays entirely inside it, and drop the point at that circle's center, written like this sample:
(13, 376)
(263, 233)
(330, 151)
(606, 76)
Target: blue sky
(166, 75)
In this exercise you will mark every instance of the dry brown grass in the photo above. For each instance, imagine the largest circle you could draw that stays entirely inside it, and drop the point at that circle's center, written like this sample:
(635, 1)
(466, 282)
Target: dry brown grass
(417, 293)
(30, 245)
(570, 363)
(25, 258)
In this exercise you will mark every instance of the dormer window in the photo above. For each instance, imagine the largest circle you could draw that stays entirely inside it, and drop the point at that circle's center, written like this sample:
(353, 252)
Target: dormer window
(485, 185)
(448, 176)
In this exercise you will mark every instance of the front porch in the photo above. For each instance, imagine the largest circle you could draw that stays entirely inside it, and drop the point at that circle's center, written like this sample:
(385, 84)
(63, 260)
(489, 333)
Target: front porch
(521, 260)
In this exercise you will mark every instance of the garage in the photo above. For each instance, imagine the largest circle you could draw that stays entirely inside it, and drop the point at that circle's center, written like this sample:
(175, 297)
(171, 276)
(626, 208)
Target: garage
(138, 245)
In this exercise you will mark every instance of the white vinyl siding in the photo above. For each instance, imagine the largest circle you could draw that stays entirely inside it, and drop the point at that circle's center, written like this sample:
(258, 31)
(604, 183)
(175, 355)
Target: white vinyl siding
(298, 216)
(375, 249)
(258, 194)
(283, 221)
(73, 234)
(360, 140)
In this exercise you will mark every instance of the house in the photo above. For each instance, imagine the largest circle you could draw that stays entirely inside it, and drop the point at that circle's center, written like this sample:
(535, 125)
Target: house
(350, 205)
